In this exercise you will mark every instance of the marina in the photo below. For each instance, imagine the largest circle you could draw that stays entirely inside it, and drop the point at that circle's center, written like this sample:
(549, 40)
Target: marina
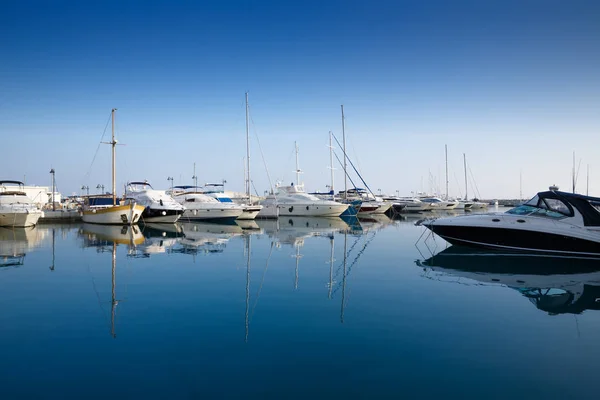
(300, 200)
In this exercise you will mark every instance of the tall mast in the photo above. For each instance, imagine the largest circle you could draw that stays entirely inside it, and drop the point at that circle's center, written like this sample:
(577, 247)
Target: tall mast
(344, 140)
(297, 167)
(446, 171)
(331, 163)
(520, 185)
(114, 167)
(587, 186)
(466, 189)
(247, 150)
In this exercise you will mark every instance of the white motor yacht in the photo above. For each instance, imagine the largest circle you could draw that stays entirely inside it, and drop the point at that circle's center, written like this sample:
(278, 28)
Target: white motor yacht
(294, 201)
(552, 222)
(438, 204)
(250, 211)
(160, 207)
(413, 204)
(201, 207)
(16, 209)
(371, 204)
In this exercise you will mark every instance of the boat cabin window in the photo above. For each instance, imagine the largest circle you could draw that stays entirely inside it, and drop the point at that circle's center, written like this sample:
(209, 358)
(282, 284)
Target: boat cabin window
(596, 205)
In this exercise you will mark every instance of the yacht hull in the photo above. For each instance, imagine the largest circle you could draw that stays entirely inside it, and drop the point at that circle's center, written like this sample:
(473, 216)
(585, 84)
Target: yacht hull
(211, 214)
(128, 214)
(311, 210)
(20, 219)
(517, 234)
(161, 216)
(250, 212)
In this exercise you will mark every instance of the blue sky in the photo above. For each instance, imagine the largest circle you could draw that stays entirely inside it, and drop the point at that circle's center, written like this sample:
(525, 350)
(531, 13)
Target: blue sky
(515, 85)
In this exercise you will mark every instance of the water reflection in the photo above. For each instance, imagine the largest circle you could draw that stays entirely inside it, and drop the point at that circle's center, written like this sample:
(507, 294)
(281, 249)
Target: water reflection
(555, 285)
(16, 242)
(205, 237)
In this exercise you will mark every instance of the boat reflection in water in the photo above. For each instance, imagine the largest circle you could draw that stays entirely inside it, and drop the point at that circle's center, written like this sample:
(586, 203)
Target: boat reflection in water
(557, 285)
(15, 242)
(205, 237)
(106, 238)
(158, 239)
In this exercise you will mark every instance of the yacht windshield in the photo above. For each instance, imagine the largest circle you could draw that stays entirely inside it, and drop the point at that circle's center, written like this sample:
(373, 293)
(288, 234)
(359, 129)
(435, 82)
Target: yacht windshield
(543, 207)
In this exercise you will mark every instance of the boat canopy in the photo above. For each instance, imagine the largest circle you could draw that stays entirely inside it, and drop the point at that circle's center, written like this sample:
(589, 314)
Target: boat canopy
(561, 204)
(12, 183)
(145, 183)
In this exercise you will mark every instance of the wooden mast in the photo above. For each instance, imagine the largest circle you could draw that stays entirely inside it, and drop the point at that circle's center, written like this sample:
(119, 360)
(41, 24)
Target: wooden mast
(113, 142)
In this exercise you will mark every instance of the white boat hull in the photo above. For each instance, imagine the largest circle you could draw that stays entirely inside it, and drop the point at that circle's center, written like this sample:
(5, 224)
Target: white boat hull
(205, 214)
(128, 214)
(20, 219)
(383, 208)
(270, 211)
(250, 212)
(311, 210)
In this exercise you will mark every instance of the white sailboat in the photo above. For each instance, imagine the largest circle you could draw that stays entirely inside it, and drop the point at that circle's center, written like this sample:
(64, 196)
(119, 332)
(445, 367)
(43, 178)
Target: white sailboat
(251, 211)
(118, 213)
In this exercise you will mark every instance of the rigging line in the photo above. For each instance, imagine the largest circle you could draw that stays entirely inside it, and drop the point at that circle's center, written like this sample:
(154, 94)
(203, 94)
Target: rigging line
(87, 174)
(347, 255)
(262, 281)
(261, 153)
(351, 181)
(360, 253)
(474, 183)
(352, 164)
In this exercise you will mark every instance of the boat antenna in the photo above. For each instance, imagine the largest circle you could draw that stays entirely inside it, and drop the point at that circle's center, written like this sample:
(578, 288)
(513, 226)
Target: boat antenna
(298, 170)
(195, 178)
(344, 140)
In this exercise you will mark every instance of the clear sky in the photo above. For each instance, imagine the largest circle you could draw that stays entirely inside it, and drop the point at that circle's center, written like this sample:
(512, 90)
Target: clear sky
(515, 85)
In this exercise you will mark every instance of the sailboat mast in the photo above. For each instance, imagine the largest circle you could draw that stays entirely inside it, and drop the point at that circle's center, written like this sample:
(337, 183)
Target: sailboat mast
(114, 167)
(520, 185)
(331, 163)
(247, 150)
(587, 185)
(344, 140)
(466, 189)
(446, 146)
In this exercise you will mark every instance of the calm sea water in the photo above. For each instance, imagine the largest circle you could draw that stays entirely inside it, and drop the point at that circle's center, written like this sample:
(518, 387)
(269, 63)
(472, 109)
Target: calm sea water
(295, 308)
